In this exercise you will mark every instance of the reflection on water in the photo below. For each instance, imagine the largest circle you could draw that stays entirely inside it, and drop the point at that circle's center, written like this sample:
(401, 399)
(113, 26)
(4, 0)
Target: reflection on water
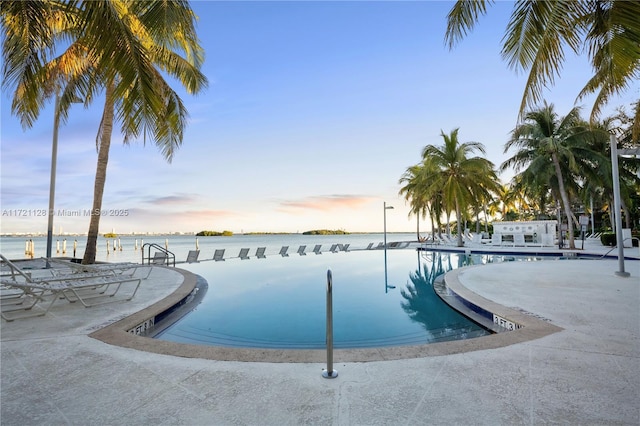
(424, 306)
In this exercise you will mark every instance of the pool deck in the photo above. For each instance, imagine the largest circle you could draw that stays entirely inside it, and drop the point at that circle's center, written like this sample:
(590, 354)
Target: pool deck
(583, 368)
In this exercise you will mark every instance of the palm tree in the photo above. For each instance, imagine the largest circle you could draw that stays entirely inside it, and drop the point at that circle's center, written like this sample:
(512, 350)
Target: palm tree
(411, 191)
(598, 167)
(539, 31)
(423, 199)
(121, 46)
(547, 144)
(460, 179)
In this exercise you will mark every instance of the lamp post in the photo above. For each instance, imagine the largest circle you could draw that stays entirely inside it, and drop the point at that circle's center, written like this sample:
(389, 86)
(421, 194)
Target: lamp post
(616, 207)
(384, 215)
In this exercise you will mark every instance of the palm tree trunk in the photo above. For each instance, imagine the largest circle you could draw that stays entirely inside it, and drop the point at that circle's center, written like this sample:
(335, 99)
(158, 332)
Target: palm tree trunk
(486, 219)
(565, 200)
(418, 227)
(106, 128)
(459, 224)
(433, 227)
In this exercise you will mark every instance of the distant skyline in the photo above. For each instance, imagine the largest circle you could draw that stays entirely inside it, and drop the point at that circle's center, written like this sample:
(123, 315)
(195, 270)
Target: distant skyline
(314, 111)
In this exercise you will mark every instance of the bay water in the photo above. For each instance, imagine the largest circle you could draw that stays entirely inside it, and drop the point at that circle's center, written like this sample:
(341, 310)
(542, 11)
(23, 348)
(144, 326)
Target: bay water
(128, 248)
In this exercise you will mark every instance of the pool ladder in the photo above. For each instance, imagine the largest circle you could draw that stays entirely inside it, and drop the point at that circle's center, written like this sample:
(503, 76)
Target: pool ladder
(329, 372)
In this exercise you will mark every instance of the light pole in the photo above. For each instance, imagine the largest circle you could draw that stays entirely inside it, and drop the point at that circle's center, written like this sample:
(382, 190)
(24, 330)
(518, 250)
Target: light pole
(384, 216)
(616, 209)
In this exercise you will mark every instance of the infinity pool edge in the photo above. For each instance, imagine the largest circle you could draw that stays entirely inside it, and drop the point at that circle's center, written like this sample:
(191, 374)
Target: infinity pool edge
(122, 333)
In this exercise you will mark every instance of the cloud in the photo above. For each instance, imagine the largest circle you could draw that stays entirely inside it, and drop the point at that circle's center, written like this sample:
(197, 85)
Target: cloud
(172, 200)
(327, 203)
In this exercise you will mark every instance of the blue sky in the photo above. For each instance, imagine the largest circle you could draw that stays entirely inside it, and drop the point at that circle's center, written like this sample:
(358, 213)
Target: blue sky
(314, 110)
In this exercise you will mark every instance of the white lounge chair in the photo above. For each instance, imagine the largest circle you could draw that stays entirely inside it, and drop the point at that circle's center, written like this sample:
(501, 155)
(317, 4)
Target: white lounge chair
(518, 240)
(39, 294)
(121, 268)
(496, 239)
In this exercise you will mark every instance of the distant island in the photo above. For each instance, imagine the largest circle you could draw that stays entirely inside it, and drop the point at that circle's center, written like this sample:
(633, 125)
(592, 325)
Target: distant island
(325, 232)
(214, 234)
(110, 235)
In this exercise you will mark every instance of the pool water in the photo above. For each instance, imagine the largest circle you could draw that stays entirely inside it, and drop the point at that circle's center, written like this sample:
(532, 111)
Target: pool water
(280, 302)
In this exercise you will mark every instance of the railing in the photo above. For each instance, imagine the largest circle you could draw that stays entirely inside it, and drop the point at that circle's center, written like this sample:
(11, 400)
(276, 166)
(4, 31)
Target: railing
(616, 246)
(166, 258)
(329, 372)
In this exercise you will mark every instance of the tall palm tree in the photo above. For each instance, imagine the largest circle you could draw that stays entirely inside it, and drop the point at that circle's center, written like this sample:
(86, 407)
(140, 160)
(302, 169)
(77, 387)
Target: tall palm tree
(459, 177)
(543, 142)
(539, 31)
(119, 46)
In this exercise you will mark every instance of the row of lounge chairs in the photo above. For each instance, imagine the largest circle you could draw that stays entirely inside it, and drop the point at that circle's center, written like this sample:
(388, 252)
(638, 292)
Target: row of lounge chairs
(24, 295)
(477, 240)
(218, 254)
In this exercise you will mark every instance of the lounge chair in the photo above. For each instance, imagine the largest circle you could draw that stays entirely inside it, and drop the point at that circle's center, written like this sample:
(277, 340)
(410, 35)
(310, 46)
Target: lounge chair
(160, 258)
(192, 256)
(370, 246)
(334, 248)
(316, 249)
(283, 251)
(496, 239)
(127, 269)
(39, 294)
(518, 240)
(344, 247)
(244, 254)
(447, 240)
(218, 255)
(301, 250)
(260, 252)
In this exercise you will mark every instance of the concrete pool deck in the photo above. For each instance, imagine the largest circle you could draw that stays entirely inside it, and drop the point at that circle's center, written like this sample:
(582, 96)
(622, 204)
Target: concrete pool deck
(586, 372)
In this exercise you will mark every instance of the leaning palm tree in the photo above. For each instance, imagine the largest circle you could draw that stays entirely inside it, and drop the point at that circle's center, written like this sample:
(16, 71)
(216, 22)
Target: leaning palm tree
(539, 31)
(546, 142)
(459, 177)
(411, 192)
(121, 47)
(415, 191)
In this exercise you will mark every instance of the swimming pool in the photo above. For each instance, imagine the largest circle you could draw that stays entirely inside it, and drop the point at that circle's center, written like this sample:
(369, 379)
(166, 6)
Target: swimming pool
(280, 302)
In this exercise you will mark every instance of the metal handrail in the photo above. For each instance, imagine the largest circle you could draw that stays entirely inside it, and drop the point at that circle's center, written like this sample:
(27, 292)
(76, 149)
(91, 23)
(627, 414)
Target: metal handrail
(329, 372)
(169, 256)
(616, 246)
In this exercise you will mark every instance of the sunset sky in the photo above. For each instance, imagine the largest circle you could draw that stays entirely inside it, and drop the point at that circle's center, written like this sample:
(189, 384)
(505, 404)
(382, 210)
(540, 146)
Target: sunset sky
(314, 110)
